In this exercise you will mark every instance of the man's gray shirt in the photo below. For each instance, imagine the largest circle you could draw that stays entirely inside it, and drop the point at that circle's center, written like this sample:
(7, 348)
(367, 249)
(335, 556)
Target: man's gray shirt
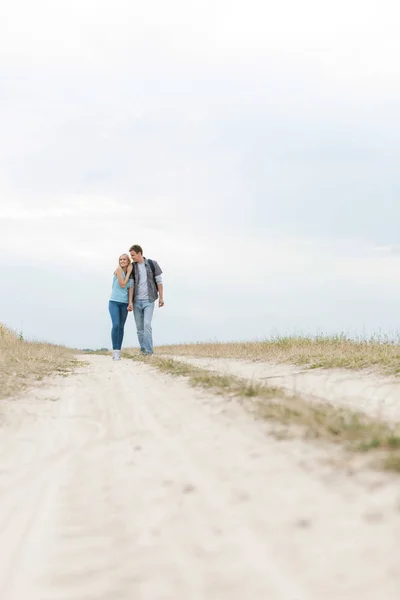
(152, 281)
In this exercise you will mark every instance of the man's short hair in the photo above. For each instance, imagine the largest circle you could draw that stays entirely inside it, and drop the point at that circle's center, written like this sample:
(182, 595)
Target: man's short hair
(136, 248)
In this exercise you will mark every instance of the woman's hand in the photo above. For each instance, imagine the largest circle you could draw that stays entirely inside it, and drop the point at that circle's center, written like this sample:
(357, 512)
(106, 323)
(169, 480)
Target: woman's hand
(130, 307)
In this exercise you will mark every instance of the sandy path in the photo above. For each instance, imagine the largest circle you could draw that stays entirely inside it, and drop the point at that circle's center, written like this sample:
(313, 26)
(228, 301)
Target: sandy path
(121, 483)
(371, 393)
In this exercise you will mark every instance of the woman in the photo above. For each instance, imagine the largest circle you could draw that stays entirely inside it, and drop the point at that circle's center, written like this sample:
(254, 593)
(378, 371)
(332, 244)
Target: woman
(119, 303)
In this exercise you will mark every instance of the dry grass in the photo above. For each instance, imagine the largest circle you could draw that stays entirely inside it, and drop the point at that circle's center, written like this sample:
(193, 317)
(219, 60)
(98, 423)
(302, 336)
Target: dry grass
(356, 431)
(314, 352)
(24, 363)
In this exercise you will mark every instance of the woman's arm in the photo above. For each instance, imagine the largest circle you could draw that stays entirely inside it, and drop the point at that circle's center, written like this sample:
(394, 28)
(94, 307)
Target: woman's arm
(130, 298)
(122, 278)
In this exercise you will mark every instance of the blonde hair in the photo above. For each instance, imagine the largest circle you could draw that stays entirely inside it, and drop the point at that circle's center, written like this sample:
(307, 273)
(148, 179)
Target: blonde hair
(119, 260)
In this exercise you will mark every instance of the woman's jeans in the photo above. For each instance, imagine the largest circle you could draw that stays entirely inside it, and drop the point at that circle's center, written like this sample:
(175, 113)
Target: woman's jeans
(118, 312)
(143, 313)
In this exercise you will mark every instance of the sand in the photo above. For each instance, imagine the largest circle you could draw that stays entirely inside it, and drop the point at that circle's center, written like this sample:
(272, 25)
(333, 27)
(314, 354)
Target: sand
(121, 483)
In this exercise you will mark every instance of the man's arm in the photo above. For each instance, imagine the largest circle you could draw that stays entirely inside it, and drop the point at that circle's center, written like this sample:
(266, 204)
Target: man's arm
(160, 294)
(159, 282)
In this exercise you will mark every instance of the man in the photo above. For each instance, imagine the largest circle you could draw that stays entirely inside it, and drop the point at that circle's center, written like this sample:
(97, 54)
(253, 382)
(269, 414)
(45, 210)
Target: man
(147, 287)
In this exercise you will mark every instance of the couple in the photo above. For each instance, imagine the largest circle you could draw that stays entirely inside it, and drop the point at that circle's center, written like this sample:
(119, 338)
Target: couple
(136, 286)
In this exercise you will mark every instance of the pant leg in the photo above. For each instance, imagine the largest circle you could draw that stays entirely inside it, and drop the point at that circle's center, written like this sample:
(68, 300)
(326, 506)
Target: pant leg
(123, 313)
(139, 320)
(114, 314)
(148, 332)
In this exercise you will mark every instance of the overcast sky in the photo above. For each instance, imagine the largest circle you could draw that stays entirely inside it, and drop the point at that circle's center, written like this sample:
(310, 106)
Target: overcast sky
(251, 147)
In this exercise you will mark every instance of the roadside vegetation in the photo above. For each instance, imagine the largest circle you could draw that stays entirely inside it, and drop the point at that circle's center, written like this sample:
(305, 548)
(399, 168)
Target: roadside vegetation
(355, 431)
(24, 363)
(326, 352)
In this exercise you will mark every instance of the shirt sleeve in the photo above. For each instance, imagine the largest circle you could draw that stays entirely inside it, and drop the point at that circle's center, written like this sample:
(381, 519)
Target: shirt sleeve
(159, 279)
(157, 268)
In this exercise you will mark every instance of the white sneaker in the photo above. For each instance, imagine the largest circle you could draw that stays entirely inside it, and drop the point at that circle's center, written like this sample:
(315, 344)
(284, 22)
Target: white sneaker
(114, 354)
(117, 355)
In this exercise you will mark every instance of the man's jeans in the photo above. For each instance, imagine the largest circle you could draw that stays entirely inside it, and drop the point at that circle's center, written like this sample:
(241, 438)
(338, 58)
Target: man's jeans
(143, 313)
(118, 313)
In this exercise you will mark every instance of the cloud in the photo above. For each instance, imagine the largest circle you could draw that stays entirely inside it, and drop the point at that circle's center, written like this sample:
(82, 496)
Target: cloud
(76, 207)
(252, 149)
(348, 35)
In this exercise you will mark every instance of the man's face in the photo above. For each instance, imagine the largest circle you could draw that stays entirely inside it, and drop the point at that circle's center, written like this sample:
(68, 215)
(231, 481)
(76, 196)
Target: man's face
(136, 256)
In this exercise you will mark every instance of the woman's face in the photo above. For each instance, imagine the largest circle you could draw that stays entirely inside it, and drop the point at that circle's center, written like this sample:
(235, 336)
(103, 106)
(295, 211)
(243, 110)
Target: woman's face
(123, 261)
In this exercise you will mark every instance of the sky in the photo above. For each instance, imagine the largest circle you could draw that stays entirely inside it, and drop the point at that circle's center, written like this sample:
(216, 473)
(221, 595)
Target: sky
(250, 147)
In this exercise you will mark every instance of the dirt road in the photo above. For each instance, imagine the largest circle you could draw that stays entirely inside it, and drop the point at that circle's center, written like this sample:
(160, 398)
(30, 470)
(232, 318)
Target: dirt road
(119, 483)
(376, 395)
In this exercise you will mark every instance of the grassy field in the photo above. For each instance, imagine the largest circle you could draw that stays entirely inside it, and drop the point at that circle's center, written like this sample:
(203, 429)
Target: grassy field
(329, 352)
(23, 363)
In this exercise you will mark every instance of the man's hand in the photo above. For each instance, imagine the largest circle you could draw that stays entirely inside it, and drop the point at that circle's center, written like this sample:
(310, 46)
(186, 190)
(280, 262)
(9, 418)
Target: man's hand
(161, 302)
(130, 308)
